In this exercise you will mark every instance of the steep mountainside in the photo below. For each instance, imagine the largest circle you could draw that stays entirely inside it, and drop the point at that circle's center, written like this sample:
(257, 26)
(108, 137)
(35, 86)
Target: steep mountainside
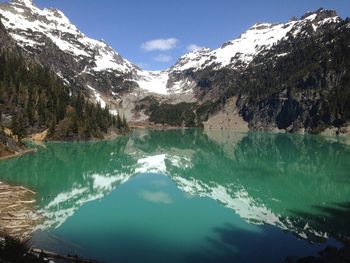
(54, 41)
(34, 99)
(291, 76)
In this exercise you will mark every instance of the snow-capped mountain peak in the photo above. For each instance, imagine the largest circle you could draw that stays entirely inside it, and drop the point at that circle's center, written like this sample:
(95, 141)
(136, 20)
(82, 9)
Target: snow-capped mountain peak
(319, 14)
(28, 24)
(238, 53)
(28, 3)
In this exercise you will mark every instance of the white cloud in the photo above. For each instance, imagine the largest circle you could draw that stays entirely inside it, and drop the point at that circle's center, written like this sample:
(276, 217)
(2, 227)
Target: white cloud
(193, 47)
(159, 183)
(156, 197)
(160, 44)
(163, 58)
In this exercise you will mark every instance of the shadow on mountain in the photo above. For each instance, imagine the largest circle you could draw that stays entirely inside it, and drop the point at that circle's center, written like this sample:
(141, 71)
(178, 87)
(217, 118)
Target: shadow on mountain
(228, 246)
(330, 222)
(234, 244)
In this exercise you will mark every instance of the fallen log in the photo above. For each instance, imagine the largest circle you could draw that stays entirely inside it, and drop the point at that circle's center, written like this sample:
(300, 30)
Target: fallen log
(51, 255)
(14, 218)
(6, 193)
(16, 226)
(18, 217)
(26, 202)
(13, 206)
(28, 190)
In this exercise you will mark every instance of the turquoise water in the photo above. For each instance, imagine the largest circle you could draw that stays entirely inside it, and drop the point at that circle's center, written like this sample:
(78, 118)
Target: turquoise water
(189, 196)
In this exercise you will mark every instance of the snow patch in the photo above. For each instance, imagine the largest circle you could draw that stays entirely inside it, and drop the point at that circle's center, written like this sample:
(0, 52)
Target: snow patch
(23, 41)
(311, 17)
(182, 86)
(107, 59)
(154, 81)
(283, 54)
(98, 97)
(335, 19)
(113, 112)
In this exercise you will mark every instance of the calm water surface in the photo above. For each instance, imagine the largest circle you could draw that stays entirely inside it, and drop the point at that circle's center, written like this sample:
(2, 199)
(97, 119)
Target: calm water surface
(189, 196)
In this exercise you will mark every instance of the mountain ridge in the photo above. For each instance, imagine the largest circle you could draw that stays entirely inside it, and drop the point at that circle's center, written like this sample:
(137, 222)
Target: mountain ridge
(198, 78)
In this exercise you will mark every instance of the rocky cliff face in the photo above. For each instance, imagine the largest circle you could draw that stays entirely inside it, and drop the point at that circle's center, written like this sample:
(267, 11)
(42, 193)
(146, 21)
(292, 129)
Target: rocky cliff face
(283, 76)
(307, 89)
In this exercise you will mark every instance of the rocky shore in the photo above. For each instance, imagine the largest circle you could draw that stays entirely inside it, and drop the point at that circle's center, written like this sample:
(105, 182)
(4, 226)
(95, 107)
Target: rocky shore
(328, 255)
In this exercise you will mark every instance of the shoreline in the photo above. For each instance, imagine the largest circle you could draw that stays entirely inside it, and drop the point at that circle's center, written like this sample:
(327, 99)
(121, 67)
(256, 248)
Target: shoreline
(43, 137)
(334, 132)
(150, 126)
(111, 135)
(17, 154)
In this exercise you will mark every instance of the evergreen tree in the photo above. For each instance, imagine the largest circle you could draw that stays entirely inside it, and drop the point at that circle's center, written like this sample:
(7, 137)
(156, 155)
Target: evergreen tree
(125, 123)
(119, 121)
(36, 98)
(18, 126)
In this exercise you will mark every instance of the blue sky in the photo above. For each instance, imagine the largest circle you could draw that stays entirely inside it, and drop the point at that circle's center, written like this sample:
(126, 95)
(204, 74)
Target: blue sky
(129, 25)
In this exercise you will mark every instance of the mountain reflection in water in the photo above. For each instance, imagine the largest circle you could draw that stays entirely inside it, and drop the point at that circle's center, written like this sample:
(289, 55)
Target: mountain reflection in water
(297, 183)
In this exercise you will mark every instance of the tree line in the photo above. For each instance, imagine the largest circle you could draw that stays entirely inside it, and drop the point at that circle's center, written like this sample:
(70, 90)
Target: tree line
(34, 99)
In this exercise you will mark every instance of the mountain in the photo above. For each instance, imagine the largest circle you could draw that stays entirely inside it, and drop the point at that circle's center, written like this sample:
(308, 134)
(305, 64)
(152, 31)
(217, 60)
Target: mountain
(259, 39)
(49, 36)
(276, 76)
(33, 95)
(290, 76)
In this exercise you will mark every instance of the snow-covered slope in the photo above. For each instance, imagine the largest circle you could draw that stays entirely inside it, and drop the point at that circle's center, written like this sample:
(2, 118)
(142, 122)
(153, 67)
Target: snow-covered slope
(27, 23)
(259, 38)
(153, 81)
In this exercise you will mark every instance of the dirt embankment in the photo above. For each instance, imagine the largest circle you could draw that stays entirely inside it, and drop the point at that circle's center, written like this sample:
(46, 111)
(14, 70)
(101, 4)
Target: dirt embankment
(40, 136)
(10, 147)
(227, 119)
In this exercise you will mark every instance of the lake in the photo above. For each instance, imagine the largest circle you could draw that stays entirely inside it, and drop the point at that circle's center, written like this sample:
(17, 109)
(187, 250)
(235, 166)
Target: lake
(189, 196)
